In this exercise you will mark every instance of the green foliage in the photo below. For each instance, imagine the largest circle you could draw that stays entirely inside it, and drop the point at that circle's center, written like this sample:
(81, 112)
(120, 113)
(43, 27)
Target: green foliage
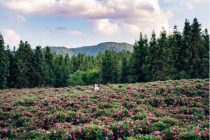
(159, 126)
(4, 64)
(76, 78)
(92, 76)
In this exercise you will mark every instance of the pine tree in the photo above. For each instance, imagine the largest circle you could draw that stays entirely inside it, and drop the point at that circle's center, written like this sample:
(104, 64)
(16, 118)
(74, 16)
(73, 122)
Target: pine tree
(139, 51)
(164, 61)
(59, 65)
(23, 57)
(107, 67)
(197, 47)
(12, 69)
(4, 64)
(187, 49)
(38, 76)
(174, 40)
(124, 71)
(149, 67)
(50, 67)
(204, 56)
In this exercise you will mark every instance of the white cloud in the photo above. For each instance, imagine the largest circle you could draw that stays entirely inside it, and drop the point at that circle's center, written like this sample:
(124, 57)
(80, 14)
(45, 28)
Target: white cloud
(168, 1)
(187, 3)
(103, 26)
(45, 32)
(99, 13)
(16, 17)
(11, 38)
(74, 32)
(194, 1)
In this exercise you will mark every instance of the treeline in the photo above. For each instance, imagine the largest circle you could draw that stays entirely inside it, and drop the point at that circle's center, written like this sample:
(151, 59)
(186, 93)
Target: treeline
(175, 56)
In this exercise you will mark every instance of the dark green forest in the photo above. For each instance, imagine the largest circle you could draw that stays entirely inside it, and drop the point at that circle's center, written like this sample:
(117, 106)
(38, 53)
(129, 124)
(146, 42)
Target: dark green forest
(171, 56)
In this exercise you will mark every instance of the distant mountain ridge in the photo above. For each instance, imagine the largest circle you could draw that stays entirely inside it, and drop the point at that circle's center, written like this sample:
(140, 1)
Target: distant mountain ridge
(92, 50)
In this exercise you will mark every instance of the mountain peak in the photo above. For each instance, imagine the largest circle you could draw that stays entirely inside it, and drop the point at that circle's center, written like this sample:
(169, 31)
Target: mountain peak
(93, 50)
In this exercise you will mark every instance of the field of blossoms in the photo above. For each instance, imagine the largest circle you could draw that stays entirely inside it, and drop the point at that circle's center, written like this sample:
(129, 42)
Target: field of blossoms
(174, 109)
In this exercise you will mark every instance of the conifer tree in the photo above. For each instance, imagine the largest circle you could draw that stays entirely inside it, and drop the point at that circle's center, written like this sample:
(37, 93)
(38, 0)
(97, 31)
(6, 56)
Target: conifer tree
(50, 67)
(124, 71)
(204, 56)
(164, 61)
(4, 64)
(197, 47)
(139, 51)
(149, 67)
(38, 76)
(23, 58)
(187, 49)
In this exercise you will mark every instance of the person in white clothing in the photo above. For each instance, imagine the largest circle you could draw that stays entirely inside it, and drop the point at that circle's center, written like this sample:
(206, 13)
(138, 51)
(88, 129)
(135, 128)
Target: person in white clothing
(96, 87)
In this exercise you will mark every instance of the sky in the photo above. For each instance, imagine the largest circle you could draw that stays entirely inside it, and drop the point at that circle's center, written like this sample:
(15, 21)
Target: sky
(77, 23)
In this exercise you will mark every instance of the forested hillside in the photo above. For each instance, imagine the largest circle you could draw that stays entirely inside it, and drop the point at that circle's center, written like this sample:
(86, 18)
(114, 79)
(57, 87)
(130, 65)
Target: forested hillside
(60, 50)
(102, 47)
(92, 50)
(180, 55)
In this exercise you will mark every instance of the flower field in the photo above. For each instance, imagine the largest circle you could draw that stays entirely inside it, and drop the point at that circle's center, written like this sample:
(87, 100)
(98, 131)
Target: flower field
(174, 109)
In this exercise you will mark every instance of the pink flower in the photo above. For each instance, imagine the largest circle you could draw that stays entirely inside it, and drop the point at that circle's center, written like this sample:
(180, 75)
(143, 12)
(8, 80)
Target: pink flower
(105, 130)
(24, 131)
(157, 133)
(199, 120)
(80, 131)
(140, 129)
(101, 110)
(5, 130)
(55, 132)
(48, 132)
(132, 123)
(133, 133)
(199, 134)
(128, 121)
(121, 131)
(107, 138)
(204, 135)
(174, 136)
(118, 127)
(11, 130)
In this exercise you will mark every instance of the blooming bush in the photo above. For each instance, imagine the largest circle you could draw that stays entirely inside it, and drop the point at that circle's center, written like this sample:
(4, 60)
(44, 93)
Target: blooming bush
(174, 109)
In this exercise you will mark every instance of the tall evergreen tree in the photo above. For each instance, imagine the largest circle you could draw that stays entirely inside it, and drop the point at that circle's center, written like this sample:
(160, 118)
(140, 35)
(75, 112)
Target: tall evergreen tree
(149, 67)
(124, 71)
(164, 62)
(187, 49)
(197, 47)
(39, 74)
(4, 64)
(50, 67)
(204, 56)
(23, 57)
(139, 51)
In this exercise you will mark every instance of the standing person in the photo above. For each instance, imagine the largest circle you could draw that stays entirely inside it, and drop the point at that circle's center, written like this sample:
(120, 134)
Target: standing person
(96, 87)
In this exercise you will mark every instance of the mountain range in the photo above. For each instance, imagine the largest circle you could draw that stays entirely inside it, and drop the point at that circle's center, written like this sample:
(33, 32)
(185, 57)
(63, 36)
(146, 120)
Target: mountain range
(92, 50)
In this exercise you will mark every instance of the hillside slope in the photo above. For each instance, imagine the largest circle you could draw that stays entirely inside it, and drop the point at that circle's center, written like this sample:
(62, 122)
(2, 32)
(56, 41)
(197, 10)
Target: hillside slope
(93, 50)
(61, 50)
(102, 47)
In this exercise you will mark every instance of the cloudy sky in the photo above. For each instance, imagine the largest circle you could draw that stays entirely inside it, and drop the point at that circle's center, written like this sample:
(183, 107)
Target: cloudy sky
(76, 23)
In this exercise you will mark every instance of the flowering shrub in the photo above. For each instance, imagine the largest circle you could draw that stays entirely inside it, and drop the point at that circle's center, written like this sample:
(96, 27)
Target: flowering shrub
(174, 109)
